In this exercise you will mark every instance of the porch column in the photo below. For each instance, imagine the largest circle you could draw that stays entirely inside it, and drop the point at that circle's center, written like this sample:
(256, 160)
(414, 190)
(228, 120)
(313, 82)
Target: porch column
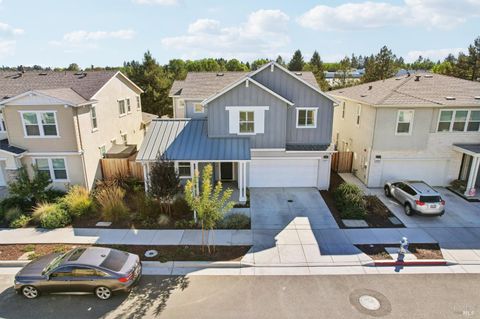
(145, 176)
(242, 182)
(472, 177)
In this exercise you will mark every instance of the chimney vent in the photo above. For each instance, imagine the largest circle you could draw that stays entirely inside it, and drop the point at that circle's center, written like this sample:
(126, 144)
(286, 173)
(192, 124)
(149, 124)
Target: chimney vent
(417, 78)
(370, 87)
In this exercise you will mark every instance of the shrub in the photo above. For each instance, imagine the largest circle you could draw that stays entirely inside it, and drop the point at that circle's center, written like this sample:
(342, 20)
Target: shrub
(12, 214)
(15, 201)
(350, 201)
(77, 201)
(112, 204)
(30, 189)
(51, 215)
(180, 208)
(185, 224)
(53, 195)
(21, 221)
(235, 221)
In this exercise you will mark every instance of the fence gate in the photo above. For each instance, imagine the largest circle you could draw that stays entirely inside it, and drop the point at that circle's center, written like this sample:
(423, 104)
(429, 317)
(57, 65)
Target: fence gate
(115, 167)
(342, 162)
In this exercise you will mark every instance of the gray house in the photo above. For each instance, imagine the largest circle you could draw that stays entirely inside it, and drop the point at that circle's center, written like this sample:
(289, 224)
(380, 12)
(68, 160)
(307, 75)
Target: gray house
(266, 128)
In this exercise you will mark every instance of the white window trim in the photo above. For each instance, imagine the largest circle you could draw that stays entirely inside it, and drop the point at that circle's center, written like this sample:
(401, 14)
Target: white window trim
(452, 121)
(124, 106)
(50, 166)
(195, 111)
(139, 103)
(39, 123)
(358, 115)
(94, 106)
(177, 170)
(234, 118)
(343, 110)
(315, 113)
(127, 104)
(409, 127)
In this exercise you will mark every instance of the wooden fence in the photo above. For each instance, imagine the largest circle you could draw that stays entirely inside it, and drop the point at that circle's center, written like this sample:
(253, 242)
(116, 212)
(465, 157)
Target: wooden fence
(114, 167)
(342, 162)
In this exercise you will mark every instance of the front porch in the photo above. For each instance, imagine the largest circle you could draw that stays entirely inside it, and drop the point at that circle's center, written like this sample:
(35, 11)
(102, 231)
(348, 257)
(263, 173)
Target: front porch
(468, 183)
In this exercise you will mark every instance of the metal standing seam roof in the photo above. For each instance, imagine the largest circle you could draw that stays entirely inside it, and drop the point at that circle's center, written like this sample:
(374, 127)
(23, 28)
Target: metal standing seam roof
(186, 139)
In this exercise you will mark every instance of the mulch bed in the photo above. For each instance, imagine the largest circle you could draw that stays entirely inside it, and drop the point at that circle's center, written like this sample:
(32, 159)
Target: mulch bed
(165, 253)
(421, 251)
(378, 213)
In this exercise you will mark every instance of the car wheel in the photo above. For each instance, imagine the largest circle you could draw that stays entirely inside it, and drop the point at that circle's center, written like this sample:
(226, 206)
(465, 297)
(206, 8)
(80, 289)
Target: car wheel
(103, 292)
(30, 292)
(387, 191)
(408, 209)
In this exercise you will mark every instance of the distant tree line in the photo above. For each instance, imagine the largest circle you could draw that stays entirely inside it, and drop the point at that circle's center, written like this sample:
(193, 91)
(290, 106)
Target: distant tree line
(156, 79)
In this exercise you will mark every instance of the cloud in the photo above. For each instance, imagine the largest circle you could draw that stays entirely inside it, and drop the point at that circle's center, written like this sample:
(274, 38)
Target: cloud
(434, 54)
(85, 36)
(160, 2)
(443, 14)
(8, 29)
(7, 48)
(263, 34)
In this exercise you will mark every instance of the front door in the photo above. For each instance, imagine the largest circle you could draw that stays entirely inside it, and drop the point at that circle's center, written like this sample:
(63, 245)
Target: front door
(226, 171)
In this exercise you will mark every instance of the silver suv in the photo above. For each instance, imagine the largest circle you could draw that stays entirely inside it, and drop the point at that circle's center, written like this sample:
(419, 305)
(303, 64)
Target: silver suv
(416, 196)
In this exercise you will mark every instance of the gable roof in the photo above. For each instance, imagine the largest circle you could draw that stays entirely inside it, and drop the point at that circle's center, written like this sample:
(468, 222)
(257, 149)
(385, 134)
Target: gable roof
(243, 80)
(429, 90)
(201, 85)
(61, 96)
(83, 84)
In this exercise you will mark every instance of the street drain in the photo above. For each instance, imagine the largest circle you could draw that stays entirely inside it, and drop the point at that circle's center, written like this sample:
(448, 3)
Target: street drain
(369, 302)
(290, 200)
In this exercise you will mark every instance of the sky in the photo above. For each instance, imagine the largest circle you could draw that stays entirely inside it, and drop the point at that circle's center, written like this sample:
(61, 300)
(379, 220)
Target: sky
(109, 32)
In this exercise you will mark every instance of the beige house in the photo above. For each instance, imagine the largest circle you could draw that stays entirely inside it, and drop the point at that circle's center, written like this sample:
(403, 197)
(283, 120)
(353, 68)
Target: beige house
(65, 122)
(422, 127)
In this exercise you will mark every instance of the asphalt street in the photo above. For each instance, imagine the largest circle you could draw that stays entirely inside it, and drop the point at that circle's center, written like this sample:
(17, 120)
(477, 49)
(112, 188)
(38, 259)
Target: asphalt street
(398, 296)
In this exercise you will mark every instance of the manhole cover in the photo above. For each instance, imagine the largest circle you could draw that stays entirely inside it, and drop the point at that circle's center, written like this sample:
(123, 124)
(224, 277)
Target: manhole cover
(369, 302)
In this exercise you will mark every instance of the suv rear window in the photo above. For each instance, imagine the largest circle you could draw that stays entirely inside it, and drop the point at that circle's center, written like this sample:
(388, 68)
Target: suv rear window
(430, 199)
(115, 260)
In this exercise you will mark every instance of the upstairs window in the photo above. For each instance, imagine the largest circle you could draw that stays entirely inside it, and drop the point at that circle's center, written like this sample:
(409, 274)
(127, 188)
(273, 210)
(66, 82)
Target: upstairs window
(198, 108)
(404, 122)
(121, 107)
(129, 107)
(306, 117)
(139, 106)
(359, 112)
(343, 110)
(459, 121)
(246, 122)
(39, 124)
(93, 115)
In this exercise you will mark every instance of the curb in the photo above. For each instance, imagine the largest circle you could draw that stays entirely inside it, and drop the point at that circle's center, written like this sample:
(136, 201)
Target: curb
(425, 262)
(13, 263)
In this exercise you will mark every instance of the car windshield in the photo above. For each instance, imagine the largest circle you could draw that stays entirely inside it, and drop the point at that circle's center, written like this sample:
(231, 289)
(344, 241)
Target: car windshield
(54, 263)
(430, 199)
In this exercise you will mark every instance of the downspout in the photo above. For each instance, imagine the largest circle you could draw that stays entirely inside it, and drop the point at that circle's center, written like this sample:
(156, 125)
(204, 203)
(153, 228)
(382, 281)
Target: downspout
(371, 148)
(82, 153)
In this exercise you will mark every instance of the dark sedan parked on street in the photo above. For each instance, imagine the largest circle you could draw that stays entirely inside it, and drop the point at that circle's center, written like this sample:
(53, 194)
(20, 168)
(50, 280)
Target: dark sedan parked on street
(97, 270)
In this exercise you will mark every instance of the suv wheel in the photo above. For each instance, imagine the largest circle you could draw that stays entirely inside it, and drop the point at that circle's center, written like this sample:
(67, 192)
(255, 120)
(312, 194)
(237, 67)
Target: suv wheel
(30, 292)
(408, 209)
(103, 292)
(387, 191)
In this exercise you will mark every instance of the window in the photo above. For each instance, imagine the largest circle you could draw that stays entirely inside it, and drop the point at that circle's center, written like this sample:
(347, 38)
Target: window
(184, 169)
(343, 110)
(246, 122)
(121, 107)
(66, 271)
(359, 112)
(124, 138)
(55, 168)
(102, 151)
(39, 124)
(93, 115)
(129, 107)
(84, 272)
(306, 117)
(459, 121)
(198, 108)
(404, 122)
(139, 106)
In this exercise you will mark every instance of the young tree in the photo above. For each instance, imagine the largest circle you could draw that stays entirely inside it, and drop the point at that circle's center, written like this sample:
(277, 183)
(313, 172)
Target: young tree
(210, 204)
(164, 183)
(297, 62)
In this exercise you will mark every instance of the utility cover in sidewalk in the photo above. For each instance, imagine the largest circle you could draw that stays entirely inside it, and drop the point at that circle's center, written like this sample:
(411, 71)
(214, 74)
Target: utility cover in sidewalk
(369, 302)
(394, 220)
(354, 223)
(393, 252)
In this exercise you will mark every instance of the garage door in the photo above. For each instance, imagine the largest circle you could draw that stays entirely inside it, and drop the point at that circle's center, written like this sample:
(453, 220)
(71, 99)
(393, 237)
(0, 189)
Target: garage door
(430, 171)
(283, 173)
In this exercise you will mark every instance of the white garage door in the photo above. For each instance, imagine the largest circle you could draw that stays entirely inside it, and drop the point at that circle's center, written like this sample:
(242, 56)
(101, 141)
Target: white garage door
(283, 173)
(431, 171)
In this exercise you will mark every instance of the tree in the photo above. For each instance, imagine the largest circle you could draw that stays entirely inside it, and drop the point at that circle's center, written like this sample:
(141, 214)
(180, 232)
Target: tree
(280, 60)
(235, 65)
(210, 204)
(381, 66)
(296, 63)
(73, 67)
(474, 59)
(30, 191)
(164, 183)
(316, 66)
(155, 82)
(445, 68)
(344, 71)
(177, 69)
(258, 63)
